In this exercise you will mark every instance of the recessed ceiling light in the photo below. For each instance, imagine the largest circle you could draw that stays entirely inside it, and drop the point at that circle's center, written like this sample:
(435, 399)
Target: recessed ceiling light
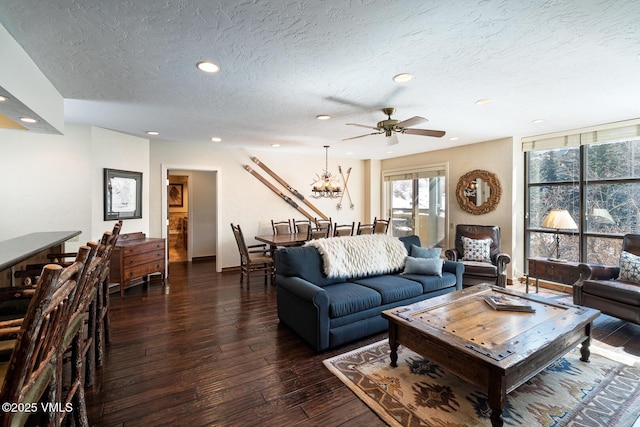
(216, 139)
(3, 98)
(348, 153)
(28, 119)
(484, 101)
(538, 121)
(208, 67)
(323, 117)
(153, 132)
(453, 138)
(275, 145)
(403, 78)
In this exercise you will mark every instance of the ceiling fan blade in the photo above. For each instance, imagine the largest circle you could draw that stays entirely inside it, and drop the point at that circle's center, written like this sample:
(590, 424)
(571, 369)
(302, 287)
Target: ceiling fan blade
(416, 120)
(393, 139)
(425, 132)
(362, 126)
(362, 136)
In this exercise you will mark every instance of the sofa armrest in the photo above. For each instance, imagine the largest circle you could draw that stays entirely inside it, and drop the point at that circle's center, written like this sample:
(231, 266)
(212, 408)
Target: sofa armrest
(452, 254)
(456, 268)
(592, 272)
(304, 307)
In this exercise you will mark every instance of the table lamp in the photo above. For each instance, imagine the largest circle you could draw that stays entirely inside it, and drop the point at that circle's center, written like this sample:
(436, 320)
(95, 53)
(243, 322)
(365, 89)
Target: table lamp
(559, 219)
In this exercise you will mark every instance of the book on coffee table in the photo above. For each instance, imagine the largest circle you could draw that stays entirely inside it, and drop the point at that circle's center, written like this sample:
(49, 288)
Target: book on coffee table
(507, 303)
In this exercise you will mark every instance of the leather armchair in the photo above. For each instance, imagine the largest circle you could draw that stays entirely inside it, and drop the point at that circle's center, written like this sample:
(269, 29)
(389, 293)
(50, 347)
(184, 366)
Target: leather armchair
(494, 270)
(599, 287)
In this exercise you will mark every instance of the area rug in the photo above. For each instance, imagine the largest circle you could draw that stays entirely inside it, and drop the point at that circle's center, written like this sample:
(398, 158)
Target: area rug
(569, 392)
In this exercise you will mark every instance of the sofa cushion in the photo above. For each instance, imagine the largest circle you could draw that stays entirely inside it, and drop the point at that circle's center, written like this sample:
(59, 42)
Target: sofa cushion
(613, 290)
(420, 252)
(409, 241)
(304, 262)
(476, 249)
(427, 266)
(433, 283)
(629, 267)
(477, 268)
(390, 287)
(347, 298)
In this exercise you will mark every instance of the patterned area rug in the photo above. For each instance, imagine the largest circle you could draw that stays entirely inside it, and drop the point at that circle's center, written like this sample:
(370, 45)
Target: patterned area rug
(420, 393)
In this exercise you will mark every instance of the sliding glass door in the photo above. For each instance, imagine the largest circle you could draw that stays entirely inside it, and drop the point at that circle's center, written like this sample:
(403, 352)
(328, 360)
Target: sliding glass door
(417, 204)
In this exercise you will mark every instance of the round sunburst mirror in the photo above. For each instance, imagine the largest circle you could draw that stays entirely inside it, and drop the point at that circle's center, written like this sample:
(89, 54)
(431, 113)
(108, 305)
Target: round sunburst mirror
(478, 192)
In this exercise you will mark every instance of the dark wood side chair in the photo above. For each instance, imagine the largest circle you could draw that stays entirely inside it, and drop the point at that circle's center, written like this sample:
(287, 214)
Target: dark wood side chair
(324, 224)
(253, 258)
(380, 226)
(281, 227)
(318, 233)
(301, 226)
(364, 229)
(343, 229)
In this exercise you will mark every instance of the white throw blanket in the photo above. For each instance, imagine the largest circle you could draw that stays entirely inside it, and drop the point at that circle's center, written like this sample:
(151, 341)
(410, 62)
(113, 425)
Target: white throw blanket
(354, 256)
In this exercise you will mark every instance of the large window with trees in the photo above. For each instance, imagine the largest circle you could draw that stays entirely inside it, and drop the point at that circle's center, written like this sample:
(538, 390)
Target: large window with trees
(595, 175)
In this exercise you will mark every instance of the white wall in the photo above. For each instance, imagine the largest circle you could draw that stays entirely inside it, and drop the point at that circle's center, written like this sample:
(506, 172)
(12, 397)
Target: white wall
(54, 182)
(242, 198)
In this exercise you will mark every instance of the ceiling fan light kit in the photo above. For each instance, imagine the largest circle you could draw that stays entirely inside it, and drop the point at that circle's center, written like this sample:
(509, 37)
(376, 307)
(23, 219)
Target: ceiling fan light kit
(390, 127)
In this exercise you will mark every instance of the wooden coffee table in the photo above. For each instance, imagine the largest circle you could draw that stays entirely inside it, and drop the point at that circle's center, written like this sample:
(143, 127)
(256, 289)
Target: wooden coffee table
(494, 350)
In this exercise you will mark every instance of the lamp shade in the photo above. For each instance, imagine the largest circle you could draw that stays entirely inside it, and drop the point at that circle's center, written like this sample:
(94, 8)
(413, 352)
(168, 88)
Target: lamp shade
(559, 219)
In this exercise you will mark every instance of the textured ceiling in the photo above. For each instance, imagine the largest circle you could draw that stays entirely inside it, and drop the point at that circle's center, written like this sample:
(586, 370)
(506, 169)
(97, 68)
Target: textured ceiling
(130, 66)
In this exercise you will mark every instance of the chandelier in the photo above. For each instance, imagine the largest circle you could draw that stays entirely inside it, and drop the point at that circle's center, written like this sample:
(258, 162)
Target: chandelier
(325, 184)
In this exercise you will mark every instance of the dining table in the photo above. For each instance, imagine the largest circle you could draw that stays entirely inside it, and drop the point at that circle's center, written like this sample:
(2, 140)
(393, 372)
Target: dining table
(285, 239)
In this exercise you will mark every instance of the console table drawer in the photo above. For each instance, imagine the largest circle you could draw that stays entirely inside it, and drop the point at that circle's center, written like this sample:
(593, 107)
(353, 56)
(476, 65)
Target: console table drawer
(565, 272)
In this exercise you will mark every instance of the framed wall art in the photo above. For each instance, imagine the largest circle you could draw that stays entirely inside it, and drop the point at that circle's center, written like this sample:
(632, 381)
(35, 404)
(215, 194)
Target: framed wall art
(176, 196)
(122, 194)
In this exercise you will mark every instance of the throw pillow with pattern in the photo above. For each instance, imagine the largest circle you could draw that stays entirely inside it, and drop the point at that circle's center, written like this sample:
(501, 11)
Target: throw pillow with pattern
(629, 267)
(476, 249)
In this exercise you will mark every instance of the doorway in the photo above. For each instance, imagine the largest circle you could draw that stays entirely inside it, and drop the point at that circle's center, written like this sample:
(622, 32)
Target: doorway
(178, 196)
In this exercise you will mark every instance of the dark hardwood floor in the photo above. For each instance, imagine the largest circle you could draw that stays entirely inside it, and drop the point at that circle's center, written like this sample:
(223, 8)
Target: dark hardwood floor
(204, 350)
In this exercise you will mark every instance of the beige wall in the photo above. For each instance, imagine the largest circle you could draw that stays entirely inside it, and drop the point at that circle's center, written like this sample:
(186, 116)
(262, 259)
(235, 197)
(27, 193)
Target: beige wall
(495, 156)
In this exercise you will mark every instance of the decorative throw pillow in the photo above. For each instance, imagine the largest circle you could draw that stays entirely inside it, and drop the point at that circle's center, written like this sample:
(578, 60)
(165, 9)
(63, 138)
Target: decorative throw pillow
(476, 249)
(426, 266)
(629, 267)
(420, 252)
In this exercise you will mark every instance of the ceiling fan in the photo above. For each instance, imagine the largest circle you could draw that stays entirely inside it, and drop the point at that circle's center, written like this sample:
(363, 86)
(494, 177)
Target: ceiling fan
(391, 127)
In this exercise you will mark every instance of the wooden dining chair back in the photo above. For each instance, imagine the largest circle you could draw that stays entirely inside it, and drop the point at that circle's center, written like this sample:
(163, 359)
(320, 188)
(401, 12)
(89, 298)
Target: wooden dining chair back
(364, 229)
(281, 227)
(318, 233)
(324, 224)
(253, 258)
(301, 226)
(32, 373)
(380, 226)
(343, 229)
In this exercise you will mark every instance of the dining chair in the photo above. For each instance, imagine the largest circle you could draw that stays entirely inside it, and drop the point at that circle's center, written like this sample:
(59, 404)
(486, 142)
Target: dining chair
(343, 229)
(301, 226)
(281, 227)
(364, 229)
(380, 226)
(318, 233)
(253, 258)
(324, 224)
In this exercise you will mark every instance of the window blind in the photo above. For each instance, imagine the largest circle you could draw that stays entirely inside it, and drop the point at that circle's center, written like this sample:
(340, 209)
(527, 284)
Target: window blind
(611, 132)
(417, 174)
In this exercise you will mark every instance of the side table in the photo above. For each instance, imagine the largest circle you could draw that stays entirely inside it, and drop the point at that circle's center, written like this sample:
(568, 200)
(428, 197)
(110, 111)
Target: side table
(565, 272)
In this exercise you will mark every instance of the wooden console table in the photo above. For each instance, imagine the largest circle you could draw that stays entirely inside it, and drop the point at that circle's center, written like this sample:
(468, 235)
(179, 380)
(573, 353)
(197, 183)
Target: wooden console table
(565, 272)
(136, 256)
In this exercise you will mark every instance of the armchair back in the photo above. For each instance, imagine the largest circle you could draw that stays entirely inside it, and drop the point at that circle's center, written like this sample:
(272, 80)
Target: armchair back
(478, 232)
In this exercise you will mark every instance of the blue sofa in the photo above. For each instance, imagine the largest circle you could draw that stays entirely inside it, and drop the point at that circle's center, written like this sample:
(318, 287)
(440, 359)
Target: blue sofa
(328, 312)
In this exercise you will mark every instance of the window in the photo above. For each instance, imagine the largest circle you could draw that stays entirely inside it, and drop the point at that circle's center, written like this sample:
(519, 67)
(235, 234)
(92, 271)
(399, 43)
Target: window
(417, 203)
(595, 175)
